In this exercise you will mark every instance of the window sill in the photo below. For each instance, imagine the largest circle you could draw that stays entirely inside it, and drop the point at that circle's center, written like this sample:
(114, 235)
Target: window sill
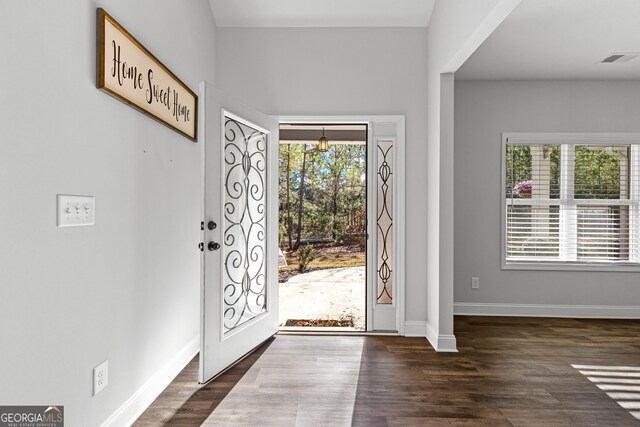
(570, 266)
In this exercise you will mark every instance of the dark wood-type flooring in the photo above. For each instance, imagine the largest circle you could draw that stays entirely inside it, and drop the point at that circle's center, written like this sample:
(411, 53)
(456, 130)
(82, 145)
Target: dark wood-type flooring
(509, 371)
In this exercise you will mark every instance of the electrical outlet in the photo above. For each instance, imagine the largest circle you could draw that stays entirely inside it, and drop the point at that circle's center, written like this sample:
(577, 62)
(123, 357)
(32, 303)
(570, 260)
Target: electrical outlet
(475, 283)
(100, 377)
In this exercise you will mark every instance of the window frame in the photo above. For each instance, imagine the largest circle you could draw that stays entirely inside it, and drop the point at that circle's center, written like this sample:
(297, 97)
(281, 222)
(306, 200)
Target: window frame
(564, 139)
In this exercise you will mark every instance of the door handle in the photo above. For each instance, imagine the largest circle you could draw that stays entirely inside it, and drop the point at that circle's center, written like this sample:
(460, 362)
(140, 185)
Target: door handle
(213, 246)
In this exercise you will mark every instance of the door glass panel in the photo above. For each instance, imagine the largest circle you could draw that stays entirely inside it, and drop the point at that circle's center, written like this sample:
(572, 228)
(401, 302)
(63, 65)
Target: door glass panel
(244, 249)
(384, 256)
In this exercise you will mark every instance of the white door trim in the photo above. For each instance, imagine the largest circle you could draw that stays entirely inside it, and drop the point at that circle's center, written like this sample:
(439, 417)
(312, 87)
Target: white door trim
(398, 196)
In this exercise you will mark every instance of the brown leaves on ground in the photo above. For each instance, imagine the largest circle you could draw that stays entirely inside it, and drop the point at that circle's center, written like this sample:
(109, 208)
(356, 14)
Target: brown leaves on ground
(331, 323)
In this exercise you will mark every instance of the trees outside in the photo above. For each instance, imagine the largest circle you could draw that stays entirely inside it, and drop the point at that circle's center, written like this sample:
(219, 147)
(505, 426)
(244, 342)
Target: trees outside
(597, 170)
(519, 169)
(596, 173)
(322, 225)
(322, 195)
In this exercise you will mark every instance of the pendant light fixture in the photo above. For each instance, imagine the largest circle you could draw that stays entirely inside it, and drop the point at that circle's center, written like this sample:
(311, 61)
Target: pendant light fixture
(323, 143)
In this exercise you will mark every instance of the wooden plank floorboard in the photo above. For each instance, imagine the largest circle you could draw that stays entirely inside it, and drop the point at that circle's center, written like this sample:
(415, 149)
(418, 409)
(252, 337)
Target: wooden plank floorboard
(509, 371)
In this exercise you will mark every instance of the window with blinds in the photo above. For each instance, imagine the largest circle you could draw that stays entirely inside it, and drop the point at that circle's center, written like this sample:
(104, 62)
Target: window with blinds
(576, 202)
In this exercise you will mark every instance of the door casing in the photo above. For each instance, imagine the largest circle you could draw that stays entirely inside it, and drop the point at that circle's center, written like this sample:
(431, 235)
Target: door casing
(379, 128)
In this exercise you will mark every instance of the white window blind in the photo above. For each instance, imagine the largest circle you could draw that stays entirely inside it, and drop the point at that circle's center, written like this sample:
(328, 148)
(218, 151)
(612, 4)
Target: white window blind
(572, 202)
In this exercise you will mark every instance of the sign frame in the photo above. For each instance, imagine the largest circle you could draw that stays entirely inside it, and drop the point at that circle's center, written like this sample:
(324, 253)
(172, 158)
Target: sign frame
(102, 17)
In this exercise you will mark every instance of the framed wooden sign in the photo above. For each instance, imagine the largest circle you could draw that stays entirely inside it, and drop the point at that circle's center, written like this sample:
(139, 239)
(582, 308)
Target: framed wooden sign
(129, 72)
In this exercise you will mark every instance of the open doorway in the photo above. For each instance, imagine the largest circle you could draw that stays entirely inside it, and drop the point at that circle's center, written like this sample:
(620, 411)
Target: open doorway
(323, 227)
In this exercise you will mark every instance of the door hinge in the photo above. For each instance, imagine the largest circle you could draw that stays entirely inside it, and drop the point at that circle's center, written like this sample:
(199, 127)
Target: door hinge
(201, 246)
(201, 225)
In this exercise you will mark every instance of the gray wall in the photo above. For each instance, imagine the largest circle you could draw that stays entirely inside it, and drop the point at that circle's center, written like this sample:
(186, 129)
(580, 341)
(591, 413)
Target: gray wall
(342, 71)
(126, 289)
(483, 110)
(457, 28)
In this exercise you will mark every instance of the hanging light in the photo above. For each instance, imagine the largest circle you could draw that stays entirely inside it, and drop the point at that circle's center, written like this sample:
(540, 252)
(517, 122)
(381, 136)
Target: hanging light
(323, 143)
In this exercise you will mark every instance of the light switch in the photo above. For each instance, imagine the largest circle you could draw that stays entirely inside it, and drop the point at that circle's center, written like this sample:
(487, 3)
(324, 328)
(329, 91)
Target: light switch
(75, 210)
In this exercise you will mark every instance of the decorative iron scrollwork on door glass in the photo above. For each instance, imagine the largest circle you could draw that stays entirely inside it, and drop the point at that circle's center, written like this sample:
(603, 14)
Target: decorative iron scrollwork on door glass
(384, 256)
(244, 249)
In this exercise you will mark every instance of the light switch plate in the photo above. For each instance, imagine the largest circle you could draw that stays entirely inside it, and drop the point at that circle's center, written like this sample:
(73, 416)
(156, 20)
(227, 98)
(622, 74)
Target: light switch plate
(75, 210)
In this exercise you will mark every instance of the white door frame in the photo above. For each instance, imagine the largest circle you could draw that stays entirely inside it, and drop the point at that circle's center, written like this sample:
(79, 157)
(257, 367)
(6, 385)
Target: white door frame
(398, 202)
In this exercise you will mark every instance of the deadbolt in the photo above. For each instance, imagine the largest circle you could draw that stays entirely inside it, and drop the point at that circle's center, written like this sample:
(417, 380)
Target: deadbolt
(213, 246)
(211, 225)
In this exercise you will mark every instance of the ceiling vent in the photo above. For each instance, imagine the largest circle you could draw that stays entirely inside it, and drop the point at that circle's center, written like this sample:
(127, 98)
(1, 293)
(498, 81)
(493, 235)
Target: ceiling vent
(620, 57)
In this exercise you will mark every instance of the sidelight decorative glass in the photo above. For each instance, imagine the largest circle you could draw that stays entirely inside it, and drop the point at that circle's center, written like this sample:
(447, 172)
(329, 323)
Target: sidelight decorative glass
(244, 249)
(384, 223)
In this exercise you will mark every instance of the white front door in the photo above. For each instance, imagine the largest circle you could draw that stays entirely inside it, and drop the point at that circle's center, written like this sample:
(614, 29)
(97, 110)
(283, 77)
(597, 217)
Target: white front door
(239, 262)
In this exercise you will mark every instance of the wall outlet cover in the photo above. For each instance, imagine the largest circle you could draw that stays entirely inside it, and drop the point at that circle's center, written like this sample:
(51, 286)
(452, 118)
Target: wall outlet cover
(100, 377)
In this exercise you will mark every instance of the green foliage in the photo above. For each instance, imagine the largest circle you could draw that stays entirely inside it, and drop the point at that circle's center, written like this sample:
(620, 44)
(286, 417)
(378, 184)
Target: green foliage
(597, 173)
(518, 166)
(334, 196)
(597, 170)
(306, 254)
(554, 167)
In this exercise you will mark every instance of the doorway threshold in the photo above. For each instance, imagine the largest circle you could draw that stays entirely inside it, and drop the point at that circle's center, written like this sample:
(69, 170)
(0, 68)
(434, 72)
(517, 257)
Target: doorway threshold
(333, 331)
(318, 329)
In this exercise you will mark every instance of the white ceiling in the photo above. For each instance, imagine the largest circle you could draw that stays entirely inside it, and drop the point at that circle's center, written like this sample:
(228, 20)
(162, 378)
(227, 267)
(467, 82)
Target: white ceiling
(322, 13)
(560, 39)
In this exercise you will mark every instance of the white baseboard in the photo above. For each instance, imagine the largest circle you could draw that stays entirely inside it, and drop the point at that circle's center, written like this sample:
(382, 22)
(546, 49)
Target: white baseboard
(415, 328)
(126, 414)
(547, 310)
(441, 343)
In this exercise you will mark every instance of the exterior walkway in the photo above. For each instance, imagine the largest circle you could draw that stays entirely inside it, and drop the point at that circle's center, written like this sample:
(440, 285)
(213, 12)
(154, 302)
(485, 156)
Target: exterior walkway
(335, 293)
